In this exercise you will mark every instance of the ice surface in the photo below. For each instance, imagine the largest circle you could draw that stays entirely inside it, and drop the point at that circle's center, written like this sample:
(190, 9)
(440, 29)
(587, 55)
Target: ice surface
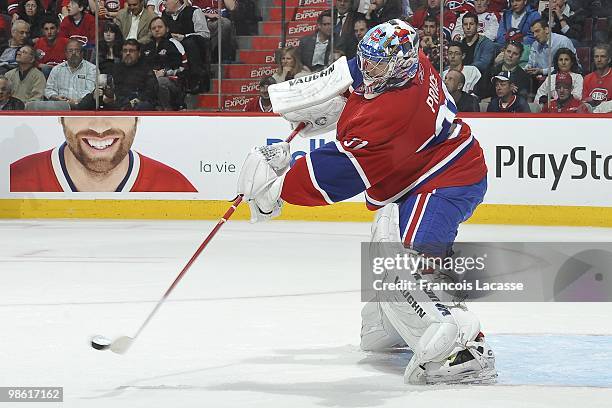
(267, 317)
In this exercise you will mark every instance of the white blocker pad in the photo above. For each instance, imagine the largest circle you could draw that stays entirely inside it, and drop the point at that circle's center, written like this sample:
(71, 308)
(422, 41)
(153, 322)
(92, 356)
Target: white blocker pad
(318, 119)
(310, 90)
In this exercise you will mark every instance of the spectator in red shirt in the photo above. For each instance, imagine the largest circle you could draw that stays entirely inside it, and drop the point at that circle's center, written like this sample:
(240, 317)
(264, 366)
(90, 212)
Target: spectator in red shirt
(433, 10)
(5, 29)
(597, 86)
(497, 6)
(50, 48)
(565, 102)
(262, 103)
(79, 24)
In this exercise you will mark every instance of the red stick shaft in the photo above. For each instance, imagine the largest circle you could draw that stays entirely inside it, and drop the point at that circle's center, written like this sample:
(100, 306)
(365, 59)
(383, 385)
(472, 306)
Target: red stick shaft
(230, 211)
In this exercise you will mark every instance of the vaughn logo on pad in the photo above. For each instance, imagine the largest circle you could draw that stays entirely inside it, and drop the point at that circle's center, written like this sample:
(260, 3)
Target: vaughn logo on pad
(312, 77)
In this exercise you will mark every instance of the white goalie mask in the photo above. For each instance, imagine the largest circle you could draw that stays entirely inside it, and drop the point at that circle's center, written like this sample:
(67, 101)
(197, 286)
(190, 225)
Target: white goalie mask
(388, 56)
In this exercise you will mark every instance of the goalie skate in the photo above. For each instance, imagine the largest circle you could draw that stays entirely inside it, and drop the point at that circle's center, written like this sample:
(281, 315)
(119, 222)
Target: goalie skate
(472, 365)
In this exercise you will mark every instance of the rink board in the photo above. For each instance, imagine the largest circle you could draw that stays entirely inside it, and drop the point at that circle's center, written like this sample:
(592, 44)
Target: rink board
(350, 212)
(542, 170)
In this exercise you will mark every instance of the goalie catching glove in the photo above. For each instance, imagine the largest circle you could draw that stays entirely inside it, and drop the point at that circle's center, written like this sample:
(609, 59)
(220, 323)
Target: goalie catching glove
(261, 179)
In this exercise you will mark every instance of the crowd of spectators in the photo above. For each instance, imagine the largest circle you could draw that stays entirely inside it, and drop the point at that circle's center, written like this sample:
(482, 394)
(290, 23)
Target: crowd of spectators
(494, 55)
(151, 53)
(497, 55)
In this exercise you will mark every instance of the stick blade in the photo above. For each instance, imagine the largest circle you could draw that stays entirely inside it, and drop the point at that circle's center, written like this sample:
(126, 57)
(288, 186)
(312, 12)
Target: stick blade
(121, 344)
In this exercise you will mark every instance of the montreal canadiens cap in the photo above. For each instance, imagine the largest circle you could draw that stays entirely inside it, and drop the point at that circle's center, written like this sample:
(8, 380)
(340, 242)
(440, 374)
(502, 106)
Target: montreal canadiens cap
(502, 76)
(563, 78)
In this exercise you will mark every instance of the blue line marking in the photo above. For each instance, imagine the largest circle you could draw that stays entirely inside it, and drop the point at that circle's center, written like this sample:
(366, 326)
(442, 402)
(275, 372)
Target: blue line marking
(561, 360)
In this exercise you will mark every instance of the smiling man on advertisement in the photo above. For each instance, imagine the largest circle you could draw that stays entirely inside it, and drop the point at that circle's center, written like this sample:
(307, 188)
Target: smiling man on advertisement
(96, 157)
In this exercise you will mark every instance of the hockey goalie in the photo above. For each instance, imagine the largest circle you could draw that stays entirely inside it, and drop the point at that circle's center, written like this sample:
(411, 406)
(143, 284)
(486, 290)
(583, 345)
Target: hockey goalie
(398, 140)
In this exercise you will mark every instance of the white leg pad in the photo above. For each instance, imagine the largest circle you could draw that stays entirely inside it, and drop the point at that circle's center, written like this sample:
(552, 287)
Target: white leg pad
(377, 333)
(428, 323)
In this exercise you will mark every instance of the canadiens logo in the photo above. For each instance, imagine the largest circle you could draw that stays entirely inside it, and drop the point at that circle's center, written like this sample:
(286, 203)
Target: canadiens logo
(599, 94)
(456, 5)
(80, 38)
(375, 36)
(321, 121)
(112, 5)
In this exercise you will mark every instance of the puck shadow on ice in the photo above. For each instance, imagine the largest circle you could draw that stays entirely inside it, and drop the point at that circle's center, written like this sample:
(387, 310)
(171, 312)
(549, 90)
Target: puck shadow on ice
(585, 277)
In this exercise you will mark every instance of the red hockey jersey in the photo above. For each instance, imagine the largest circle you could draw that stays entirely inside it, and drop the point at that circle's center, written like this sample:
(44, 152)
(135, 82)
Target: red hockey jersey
(597, 88)
(405, 141)
(85, 31)
(52, 55)
(46, 172)
(254, 105)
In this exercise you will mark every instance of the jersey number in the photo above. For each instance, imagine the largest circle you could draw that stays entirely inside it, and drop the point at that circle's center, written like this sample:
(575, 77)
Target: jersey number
(355, 143)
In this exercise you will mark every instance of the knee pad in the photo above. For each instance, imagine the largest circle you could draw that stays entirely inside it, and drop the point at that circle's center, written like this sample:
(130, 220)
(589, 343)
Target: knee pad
(428, 333)
(468, 323)
(385, 227)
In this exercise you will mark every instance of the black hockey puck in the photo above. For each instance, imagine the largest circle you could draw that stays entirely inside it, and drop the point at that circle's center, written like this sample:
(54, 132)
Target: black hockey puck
(100, 342)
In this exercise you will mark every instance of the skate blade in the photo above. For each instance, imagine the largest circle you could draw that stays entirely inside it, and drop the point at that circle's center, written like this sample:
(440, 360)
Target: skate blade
(487, 376)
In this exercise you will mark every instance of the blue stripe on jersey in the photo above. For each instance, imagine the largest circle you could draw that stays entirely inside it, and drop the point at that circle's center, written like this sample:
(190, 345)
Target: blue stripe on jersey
(355, 73)
(450, 104)
(335, 174)
(441, 136)
(447, 108)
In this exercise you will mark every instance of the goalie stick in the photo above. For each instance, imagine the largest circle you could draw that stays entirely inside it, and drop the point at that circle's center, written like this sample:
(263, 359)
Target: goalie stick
(121, 344)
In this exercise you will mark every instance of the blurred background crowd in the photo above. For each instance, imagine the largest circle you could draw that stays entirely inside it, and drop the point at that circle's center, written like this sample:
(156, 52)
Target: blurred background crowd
(494, 55)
